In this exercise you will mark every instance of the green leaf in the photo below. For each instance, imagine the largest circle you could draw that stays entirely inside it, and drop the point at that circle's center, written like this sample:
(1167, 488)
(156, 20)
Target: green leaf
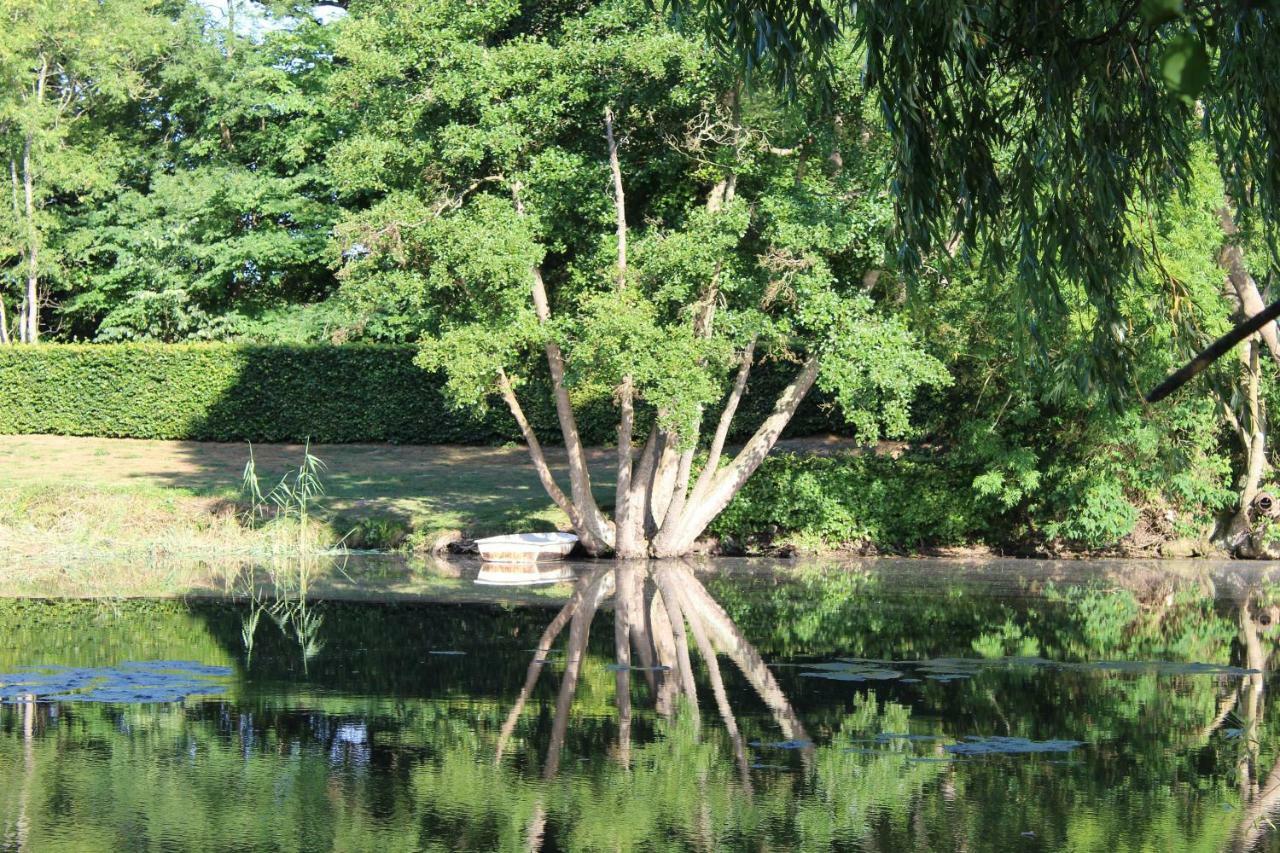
(1185, 65)
(1157, 12)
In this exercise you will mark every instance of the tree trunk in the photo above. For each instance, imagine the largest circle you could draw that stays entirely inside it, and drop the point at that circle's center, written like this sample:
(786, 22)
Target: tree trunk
(1256, 456)
(1231, 259)
(539, 460)
(679, 538)
(656, 511)
(628, 516)
(17, 217)
(593, 529)
(31, 311)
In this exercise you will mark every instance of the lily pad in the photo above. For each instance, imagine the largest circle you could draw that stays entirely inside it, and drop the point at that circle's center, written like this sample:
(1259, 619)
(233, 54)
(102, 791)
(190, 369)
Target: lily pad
(977, 745)
(784, 744)
(132, 682)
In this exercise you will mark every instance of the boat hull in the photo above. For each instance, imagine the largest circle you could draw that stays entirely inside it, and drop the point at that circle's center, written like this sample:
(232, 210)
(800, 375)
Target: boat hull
(526, 547)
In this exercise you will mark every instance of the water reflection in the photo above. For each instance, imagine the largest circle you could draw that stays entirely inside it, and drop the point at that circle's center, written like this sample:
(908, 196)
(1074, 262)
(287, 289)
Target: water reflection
(657, 607)
(1244, 708)
(672, 706)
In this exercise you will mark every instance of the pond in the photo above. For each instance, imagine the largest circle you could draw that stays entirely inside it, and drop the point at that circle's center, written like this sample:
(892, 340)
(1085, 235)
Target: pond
(730, 705)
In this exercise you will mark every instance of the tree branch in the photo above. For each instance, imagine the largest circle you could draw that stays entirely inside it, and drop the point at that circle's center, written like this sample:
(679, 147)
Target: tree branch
(535, 451)
(728, 481)
(596, 532)
(726, 420)
(619, 200)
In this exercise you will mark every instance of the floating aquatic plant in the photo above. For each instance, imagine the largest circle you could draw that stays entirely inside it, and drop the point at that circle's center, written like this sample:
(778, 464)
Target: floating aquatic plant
(129, 683)
(945, 670)
(851, 671)
(784, 744)
(978, 745)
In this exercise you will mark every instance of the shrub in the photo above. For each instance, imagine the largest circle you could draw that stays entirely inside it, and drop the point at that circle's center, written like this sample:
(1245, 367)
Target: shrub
(895, 504)
(238, 392)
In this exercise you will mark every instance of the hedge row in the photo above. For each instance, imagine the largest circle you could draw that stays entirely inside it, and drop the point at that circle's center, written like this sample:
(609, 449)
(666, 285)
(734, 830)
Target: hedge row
(234, 392)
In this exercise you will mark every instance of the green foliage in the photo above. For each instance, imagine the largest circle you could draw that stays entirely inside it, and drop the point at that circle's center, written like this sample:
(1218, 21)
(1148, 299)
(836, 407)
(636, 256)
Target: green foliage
(223, 392)
(249, 392)
(1033, 130)
(176, 163)
(983, 494)
(468, 176)
(893, 504)
(395, 175)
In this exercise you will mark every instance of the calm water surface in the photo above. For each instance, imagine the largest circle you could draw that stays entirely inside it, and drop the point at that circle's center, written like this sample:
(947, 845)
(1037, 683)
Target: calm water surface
(875, 705)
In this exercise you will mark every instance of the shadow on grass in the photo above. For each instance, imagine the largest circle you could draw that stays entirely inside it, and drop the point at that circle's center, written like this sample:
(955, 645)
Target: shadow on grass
(289, 394)
(477, 490)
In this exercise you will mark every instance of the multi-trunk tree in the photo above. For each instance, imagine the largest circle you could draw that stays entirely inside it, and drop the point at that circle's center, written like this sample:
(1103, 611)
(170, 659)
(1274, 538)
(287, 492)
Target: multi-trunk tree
(595, 192)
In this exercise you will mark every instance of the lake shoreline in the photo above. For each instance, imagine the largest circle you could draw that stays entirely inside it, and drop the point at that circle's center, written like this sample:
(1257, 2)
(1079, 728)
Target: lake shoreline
(392, 577)
(68, 499)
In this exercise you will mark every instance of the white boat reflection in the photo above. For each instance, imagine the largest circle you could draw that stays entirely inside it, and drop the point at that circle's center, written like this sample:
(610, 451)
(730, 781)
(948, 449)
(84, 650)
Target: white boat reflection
(523, 574)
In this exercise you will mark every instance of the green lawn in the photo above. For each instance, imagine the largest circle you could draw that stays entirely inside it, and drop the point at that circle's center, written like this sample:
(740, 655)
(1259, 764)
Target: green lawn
(64, 500)
(479, 490)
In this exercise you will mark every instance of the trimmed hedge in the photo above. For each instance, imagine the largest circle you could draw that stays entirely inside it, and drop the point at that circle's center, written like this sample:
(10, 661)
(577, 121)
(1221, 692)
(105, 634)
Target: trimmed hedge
(235, 392)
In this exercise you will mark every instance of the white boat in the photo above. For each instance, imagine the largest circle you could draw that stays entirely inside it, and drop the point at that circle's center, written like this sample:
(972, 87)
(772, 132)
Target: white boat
(523, 574)
(526, 547)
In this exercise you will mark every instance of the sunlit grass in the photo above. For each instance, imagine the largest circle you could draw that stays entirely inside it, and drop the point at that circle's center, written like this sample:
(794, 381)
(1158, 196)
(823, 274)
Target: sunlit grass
(63, 495)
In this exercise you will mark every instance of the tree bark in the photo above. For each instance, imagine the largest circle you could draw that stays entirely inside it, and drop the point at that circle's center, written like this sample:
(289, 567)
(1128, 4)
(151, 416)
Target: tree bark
(595, 532)
(619, 199)
(656, 512)
(17, 217)
(535, 452)
(1231, 259)
(1256, 451)
(662, 484)
(31, 312)
(628, 522)
(628, 518)
(726, 421)
(728, 482)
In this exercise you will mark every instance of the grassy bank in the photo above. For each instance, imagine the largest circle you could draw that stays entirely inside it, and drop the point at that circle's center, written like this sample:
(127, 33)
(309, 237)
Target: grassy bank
(61, 497)
(68, 502)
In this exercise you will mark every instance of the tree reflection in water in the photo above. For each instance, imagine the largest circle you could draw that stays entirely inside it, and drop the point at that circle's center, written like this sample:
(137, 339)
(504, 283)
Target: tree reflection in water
(1244, 707)
(657, 607)
(662, 613)
(383, 744)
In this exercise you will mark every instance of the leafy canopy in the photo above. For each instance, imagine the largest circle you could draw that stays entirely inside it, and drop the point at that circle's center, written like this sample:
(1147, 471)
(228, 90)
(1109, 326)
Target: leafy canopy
(480, 150)
(1035, 130)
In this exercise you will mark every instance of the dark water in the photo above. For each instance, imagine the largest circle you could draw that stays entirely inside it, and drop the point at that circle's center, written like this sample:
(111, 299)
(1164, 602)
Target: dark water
(872, 706)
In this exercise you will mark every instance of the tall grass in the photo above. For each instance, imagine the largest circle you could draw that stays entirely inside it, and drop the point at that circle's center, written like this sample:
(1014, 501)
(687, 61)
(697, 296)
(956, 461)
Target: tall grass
(285, 514)
(287, 510)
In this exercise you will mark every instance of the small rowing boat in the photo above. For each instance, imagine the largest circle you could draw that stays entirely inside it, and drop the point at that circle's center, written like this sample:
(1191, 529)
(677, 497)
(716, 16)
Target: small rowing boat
(526, 547)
